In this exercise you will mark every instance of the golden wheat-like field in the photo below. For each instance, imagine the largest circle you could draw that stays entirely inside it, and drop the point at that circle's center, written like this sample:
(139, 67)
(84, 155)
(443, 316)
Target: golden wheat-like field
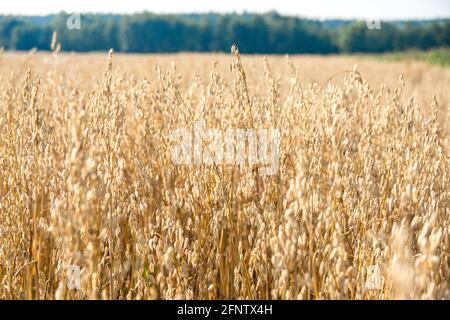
(93, 207)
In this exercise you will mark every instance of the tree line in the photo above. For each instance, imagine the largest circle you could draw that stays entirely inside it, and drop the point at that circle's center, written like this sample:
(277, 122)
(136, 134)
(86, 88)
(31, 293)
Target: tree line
(253, 33)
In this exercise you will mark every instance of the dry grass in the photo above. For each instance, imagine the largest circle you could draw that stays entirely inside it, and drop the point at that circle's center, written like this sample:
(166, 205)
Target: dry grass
(86, 179)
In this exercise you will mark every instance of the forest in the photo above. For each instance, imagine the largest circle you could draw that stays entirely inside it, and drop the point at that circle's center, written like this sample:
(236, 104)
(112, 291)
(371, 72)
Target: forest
(253, 33)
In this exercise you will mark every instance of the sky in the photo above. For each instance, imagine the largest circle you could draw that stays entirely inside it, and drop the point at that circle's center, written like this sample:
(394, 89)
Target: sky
(381, 9)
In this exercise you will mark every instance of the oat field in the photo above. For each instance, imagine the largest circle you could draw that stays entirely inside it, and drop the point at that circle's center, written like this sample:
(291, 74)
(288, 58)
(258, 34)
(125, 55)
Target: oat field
(93, 207)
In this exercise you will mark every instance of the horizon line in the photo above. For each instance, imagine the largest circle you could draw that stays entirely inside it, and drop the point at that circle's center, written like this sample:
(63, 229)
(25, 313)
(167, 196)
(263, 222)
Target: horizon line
(239, 12)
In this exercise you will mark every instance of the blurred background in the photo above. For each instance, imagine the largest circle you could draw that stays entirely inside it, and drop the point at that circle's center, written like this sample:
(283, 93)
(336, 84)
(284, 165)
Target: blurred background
(268, 27)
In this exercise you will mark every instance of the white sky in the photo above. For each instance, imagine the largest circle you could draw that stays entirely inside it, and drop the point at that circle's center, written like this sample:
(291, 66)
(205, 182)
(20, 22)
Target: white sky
(384, 9)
